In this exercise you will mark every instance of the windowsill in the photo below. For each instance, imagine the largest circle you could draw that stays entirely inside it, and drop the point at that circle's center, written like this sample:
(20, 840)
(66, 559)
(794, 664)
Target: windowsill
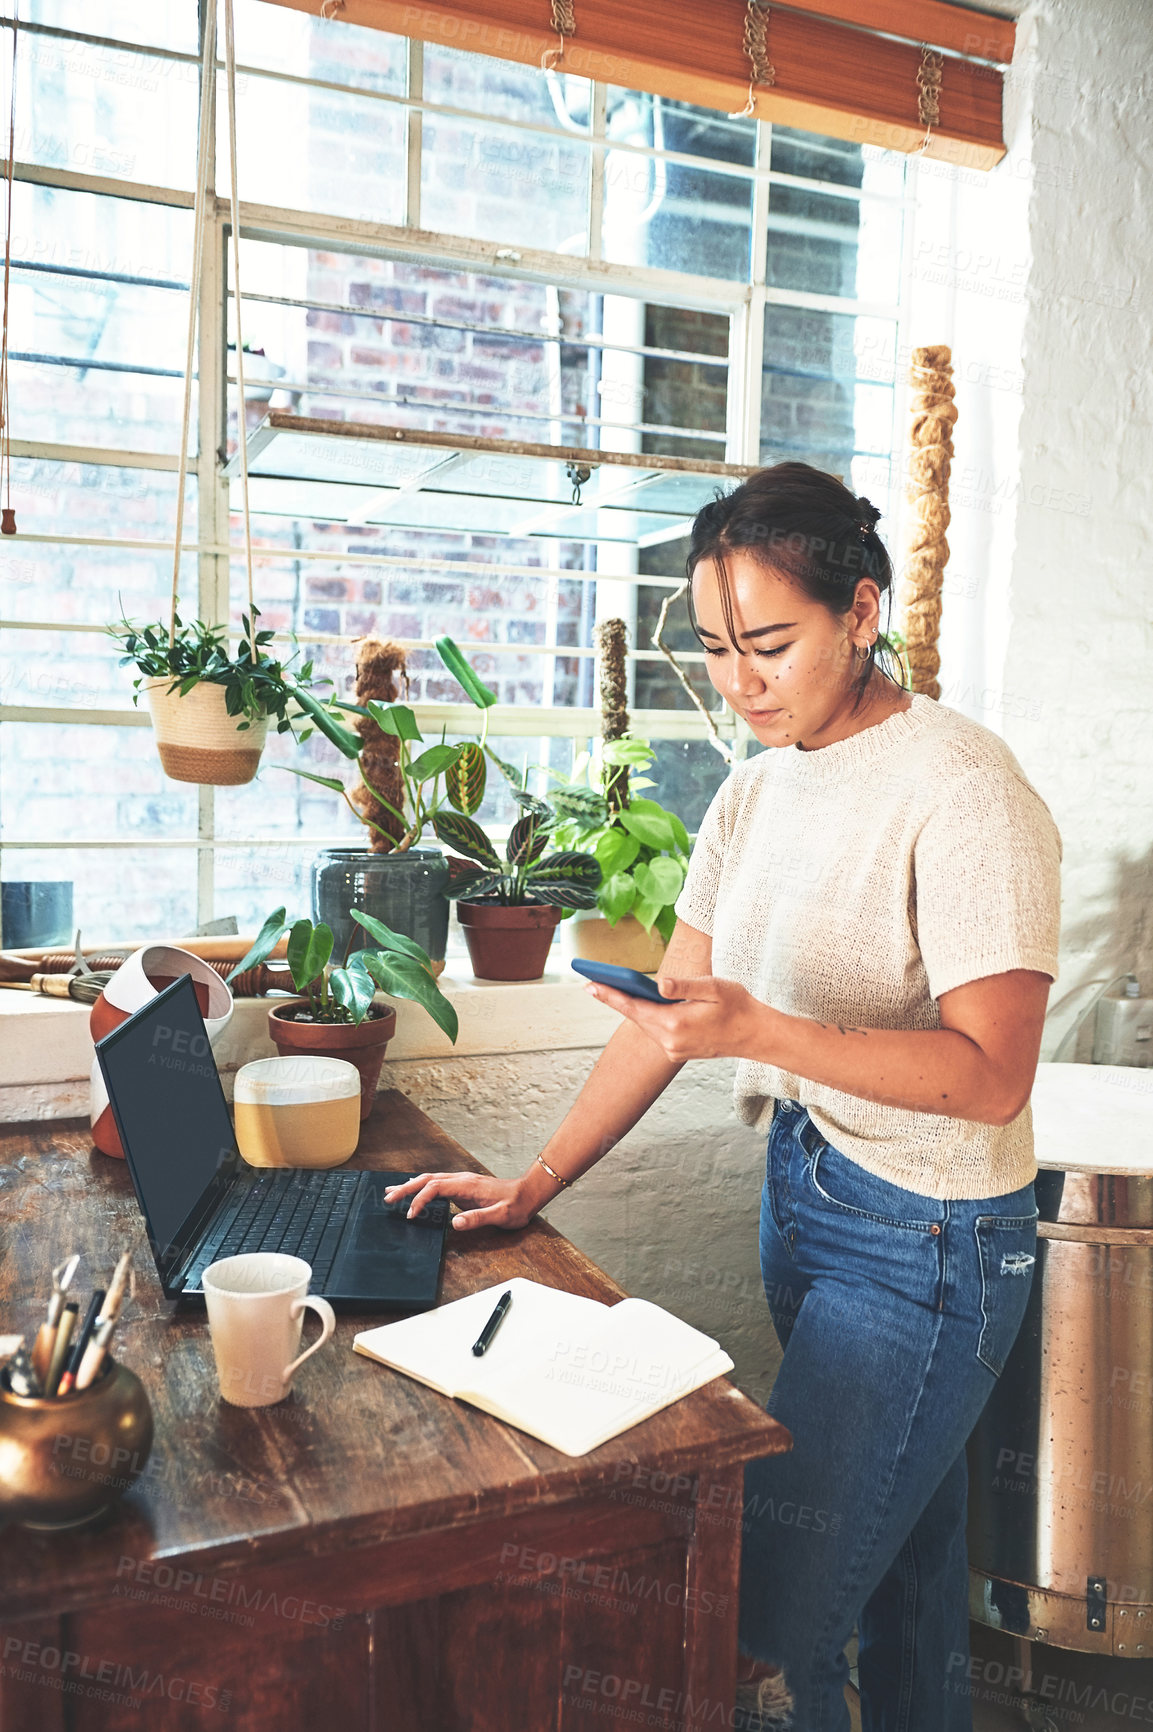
(46, 1040)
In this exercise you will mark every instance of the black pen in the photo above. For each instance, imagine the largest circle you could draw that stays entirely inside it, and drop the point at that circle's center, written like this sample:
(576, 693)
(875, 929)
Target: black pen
(82, 1340)
(484, 1340)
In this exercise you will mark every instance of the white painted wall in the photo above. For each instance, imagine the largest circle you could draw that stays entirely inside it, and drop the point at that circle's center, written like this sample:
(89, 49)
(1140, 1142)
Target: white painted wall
(1037, 275)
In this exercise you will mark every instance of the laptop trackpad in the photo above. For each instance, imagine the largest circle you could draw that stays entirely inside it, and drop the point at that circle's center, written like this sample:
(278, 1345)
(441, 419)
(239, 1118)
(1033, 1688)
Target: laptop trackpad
(385, 1253)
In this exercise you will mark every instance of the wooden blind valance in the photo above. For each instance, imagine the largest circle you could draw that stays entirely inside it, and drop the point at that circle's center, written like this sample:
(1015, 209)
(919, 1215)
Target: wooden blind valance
(840, 67)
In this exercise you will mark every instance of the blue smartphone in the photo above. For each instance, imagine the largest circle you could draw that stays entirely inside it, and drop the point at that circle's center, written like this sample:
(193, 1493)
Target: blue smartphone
(629, 980)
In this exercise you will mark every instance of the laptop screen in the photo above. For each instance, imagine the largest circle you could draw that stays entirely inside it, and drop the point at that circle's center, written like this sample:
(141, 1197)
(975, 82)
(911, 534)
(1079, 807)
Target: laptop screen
(172, 1117)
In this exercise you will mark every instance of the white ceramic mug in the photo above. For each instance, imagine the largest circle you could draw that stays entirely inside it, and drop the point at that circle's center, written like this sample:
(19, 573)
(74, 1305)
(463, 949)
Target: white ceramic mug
(256, 1305)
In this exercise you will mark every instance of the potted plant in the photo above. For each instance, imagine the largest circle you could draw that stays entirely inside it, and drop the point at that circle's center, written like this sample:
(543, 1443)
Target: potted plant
(211, 709)
(642, 850)
(336, 1014)
(510, 905)
(400, 788)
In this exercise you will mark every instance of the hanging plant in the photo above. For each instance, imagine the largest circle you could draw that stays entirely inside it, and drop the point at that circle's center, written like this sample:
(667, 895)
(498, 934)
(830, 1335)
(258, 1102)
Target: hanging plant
(211, 710)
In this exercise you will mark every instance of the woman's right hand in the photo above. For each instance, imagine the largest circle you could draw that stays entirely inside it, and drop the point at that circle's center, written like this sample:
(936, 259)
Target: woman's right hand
(483, 1200)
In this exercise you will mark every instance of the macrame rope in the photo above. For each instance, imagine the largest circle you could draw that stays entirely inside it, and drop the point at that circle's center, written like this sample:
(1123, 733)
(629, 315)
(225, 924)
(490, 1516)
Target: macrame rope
(927, 547)
(207, 74)
(756, 46)
(564, 23)
(929, 93)
(241, 408)
(9, 518)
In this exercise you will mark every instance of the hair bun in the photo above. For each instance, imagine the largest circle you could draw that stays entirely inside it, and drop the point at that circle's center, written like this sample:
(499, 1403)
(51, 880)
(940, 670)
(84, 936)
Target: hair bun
(870, 516)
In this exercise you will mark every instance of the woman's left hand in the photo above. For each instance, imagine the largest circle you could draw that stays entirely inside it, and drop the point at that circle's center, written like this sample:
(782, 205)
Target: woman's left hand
(718, 1019)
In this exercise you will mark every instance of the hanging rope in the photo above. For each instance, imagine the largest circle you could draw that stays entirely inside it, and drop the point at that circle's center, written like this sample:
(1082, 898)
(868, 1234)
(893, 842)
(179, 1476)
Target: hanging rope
(207, 74)
(241, 409)
(756, 46)
(658, 642)
(564, 23)
(929, 93)
(8, 516)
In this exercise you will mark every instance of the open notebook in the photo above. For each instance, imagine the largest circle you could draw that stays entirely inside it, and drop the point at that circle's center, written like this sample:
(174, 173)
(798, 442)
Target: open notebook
(568, 1370)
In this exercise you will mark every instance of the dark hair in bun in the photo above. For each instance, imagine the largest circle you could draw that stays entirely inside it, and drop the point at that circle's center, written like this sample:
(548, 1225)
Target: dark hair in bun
(811, 528)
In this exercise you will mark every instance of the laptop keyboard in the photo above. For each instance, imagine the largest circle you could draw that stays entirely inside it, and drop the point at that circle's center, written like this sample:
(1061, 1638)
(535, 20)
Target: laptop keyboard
(300, 1212)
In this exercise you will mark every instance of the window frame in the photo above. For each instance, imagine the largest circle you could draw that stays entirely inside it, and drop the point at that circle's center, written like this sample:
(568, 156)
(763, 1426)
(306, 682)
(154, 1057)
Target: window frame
(744, 304)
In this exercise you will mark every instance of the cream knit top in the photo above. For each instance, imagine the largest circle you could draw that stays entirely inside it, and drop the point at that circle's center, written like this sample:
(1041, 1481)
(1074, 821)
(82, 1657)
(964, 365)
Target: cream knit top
(858, 882)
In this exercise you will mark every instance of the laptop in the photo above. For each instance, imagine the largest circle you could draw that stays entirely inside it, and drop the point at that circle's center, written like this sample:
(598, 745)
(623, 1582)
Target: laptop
(201, 1201)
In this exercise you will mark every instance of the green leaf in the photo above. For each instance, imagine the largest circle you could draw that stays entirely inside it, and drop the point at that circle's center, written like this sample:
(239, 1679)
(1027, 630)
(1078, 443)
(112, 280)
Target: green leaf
(469, 883)
(646, 913)
(661, 880)
(434, 762)
(389, 939)
(616, 851)
(465, 780)
(527, 840)
(399, 720)
(341, 737)
(580, 806)
(403, 978)
(627, 751)
(462, 672)
(332, 782)
(353, 989)
(680, 834)
(530, 803)
(616, 897)
(652, 828)
(509, 771)
(309, 948)
(570, 880)
(666, 922)
(267, 939)
(465, 835)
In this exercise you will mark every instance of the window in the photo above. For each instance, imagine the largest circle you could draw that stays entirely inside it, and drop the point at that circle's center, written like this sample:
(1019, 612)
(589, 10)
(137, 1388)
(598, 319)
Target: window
(430, 239)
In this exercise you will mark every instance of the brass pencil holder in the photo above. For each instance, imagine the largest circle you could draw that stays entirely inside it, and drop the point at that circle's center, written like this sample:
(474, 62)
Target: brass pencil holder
(65, 1458)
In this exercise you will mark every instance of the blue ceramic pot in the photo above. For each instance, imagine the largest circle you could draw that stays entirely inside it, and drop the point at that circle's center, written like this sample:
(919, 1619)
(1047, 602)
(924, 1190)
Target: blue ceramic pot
(405, 891)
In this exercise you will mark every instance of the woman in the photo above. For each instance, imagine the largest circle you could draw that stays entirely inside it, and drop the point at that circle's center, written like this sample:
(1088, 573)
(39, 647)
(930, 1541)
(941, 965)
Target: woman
(869, 926)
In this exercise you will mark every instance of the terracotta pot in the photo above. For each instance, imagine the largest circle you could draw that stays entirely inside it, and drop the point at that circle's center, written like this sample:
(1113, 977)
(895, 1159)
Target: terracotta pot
(508, 943)
(627, 944)
(198, 740)
(362, 1044)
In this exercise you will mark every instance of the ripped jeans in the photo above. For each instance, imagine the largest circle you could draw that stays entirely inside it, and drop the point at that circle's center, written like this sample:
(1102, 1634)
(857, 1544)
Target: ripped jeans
(896, 1312)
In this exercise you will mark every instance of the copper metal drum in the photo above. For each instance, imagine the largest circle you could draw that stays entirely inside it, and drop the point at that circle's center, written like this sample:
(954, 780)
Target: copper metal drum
(1061, 1461)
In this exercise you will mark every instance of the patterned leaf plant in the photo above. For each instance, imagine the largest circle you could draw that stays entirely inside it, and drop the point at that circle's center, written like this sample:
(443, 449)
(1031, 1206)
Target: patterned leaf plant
(527, 873)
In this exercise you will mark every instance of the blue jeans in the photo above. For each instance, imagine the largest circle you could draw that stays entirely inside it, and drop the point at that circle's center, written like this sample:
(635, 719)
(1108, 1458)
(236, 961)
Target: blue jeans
(896, 1313)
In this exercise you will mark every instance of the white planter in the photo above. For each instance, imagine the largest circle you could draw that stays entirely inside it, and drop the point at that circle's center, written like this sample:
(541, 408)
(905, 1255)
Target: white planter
(589, 935)
(198, 740)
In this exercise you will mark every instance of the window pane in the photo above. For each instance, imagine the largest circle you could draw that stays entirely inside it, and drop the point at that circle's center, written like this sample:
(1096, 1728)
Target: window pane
(119, 895)
(161, 26)
(671, 215)
(314, 150)
(504, 90)
(828, 386)
(284, 40)
(86, 311)
(106, 111)
(64, 781)
(501, 184)
(825, 243)
(84, 584)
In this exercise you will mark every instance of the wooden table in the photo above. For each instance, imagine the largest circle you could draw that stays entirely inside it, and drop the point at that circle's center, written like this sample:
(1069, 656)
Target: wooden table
(367, 1554)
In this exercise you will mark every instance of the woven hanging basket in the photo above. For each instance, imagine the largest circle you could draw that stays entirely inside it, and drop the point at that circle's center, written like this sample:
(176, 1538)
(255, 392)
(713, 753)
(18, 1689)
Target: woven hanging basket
(198, 740)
